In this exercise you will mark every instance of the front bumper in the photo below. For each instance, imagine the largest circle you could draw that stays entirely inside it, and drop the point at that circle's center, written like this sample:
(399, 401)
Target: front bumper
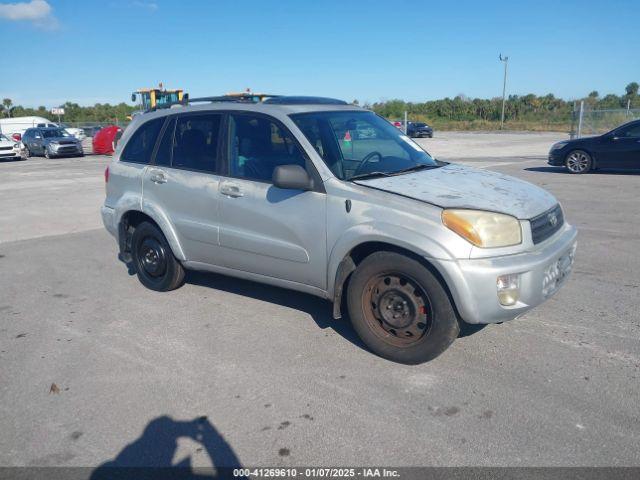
(65, 149)
(13, 153)
(542, 272)
(555, 158)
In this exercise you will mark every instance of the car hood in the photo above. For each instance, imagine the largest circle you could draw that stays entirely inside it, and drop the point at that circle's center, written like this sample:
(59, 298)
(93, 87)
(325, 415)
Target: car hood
(459, 186)
(5, 143)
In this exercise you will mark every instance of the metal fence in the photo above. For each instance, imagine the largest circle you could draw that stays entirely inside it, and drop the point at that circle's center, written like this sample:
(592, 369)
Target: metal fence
(587, 122)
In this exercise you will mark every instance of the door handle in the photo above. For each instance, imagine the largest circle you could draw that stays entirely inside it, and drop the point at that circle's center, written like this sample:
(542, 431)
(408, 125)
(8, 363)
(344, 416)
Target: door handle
(231, 190)
(158, 177)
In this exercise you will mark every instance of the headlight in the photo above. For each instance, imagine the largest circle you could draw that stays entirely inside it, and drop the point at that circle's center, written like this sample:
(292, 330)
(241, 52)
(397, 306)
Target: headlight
(484, 229)
(557, 146)
(53, 143)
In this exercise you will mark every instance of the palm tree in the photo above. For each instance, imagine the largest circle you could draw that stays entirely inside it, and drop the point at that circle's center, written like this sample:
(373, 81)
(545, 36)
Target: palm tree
(7, 106)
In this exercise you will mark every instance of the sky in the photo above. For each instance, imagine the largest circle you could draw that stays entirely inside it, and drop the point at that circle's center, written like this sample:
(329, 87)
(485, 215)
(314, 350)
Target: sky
(100, 51)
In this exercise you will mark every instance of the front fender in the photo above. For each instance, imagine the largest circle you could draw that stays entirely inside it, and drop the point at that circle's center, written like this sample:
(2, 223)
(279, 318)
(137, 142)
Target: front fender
(395, 235)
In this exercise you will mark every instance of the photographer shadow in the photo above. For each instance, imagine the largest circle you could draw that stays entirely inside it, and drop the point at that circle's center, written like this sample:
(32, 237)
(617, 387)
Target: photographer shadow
(151, 455)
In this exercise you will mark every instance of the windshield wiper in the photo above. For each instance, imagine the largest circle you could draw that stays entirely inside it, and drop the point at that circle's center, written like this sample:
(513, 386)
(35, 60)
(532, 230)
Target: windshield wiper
(415, 168)
(369, 175)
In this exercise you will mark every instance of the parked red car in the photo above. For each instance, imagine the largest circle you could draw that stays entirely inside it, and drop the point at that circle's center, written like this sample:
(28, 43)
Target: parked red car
(105, 140)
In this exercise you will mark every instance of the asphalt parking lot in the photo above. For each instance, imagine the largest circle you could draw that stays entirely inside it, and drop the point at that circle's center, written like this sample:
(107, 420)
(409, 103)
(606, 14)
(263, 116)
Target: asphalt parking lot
(91, 362)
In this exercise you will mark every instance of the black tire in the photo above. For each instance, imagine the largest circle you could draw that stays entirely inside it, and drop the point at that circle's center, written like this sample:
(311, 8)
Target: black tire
(27, 152)
(578, 162)
(433, 321)
(46, 153)
(153, 260)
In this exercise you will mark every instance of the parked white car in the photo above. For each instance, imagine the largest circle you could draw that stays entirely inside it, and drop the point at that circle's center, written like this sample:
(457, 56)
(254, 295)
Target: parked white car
(9, 148)
(78, 133)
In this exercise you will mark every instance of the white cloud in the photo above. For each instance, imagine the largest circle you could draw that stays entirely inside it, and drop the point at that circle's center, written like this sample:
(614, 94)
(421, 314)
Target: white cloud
(151, 6)
(39, 12)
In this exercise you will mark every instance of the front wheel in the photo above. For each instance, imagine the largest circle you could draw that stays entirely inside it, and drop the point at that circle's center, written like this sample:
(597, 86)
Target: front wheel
(153, 260)
(578, 161)
(400, 310)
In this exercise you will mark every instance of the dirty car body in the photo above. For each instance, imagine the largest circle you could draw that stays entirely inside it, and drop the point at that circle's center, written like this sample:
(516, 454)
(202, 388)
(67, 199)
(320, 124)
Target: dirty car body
(372, 219)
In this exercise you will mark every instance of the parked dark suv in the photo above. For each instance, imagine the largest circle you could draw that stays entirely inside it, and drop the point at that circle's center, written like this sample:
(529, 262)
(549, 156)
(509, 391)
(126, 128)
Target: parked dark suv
(419, 129)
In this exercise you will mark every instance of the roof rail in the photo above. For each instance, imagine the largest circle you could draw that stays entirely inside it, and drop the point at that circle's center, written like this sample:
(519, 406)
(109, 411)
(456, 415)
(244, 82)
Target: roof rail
(255, 98)
(302, 100)
(237, 98)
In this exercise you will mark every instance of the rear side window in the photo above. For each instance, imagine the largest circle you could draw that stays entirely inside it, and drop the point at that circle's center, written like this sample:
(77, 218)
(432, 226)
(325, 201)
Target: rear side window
(195, 145)
(140, 147)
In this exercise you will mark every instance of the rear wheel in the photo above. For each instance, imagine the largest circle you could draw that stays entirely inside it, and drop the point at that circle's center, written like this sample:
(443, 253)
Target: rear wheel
(400, 310)
(578, 161)
(153, 259)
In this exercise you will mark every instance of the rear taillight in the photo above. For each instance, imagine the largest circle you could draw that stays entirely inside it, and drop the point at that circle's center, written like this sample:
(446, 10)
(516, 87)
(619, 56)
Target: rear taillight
(106, 175)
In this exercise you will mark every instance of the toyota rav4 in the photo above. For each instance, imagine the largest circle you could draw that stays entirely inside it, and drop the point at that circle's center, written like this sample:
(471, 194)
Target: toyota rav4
(319, 196)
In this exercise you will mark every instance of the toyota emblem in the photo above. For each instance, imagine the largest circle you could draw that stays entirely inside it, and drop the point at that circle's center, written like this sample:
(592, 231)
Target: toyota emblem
(553, 219)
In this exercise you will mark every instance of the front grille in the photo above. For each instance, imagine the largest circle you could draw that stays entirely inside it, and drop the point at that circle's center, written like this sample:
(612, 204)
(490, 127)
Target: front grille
(6, 148)
(546, 224)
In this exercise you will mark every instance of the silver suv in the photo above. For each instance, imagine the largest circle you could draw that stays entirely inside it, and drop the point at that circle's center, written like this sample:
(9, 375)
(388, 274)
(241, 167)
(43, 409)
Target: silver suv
(323, 197)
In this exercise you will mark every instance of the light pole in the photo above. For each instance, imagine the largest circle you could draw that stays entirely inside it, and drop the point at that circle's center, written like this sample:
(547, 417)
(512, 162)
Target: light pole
(504, 59)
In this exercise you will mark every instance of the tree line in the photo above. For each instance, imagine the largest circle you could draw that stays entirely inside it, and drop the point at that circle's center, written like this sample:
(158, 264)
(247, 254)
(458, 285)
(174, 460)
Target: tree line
(99, 113)
(529, 109)
(526, 111)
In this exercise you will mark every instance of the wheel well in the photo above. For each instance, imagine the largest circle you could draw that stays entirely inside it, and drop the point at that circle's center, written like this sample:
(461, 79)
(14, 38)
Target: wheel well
(362, 251)
(128, 223)
(133, 218)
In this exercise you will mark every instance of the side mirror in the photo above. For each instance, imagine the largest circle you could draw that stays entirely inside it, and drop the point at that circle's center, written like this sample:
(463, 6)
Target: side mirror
(133, 97)
(292, 177)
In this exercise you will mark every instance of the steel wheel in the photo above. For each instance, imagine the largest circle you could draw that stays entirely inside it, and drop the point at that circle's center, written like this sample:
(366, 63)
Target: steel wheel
(396, 308)
(578, 162)
(152, 258)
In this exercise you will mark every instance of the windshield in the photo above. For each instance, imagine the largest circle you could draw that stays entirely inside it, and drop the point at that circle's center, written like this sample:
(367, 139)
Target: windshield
(360, 143)
(166, 98)
(54, 133)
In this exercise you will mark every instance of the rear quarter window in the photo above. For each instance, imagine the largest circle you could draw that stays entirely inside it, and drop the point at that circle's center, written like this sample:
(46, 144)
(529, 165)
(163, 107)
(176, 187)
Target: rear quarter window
(140, 147)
